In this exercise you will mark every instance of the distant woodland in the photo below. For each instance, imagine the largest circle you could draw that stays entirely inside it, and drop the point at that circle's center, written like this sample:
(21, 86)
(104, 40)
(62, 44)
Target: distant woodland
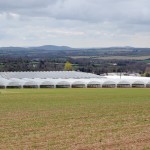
(98, 61)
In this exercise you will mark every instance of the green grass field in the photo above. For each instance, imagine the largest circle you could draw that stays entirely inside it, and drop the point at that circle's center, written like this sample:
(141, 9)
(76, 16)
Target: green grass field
(75, 119)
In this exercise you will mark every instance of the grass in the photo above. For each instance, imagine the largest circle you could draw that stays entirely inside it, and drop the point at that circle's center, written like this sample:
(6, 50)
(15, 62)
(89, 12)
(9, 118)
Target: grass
(80, 119)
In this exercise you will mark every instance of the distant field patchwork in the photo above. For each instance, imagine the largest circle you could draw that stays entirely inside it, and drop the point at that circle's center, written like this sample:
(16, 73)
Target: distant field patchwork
(114, 57)
(80, 119)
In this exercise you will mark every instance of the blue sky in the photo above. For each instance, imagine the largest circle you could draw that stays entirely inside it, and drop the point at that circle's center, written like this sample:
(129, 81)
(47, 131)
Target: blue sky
(75, 23)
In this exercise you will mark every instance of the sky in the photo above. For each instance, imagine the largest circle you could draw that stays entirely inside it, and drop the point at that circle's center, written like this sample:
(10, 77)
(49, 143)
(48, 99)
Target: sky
(75, 23)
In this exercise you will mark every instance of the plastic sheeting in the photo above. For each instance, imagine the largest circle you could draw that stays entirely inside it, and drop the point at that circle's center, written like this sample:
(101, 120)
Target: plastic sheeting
(68, 79)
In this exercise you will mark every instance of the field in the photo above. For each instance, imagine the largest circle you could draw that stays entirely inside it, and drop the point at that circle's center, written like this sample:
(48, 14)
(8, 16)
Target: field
(75, 119)
(113, 57)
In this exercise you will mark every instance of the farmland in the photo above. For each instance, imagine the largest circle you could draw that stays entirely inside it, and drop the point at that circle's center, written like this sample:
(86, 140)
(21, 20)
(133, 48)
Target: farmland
(80, 119)
(113, 57)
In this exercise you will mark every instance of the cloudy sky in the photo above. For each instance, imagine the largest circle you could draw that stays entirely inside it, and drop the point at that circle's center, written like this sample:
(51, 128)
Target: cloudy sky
(75, 23)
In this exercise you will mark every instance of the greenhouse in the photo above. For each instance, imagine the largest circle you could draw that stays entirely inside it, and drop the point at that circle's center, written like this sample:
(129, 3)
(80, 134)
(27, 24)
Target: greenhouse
(123, 84)
(109, 84)
(94, 84)
(69, 79)
(78, 84)
(148, 85)
(138, 84)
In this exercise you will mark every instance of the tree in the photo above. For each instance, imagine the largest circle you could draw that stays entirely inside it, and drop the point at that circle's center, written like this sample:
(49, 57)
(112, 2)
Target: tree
(68, 66)
(146, 74)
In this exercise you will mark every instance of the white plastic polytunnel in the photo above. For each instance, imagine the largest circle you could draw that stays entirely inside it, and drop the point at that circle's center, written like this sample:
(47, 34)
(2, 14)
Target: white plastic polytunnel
(123, 84)
(2, 84)
(48, 74)
(30, 84)
(63, 84)
(94, 84)
(47, 84)
(109, 84)
(37, 80)
(78, 84)
(14, 84)
(148, 84)
(138, 84)
(68, 79)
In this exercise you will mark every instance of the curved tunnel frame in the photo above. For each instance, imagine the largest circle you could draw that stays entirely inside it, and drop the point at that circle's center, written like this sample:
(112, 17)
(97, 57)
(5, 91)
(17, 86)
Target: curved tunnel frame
(109, 84)
(70, 84)
(47, 84)
(138, 84)
(123, 84)
(94, 84)
(78, 84)
(14, 85)
(30, 84)
(63, 84)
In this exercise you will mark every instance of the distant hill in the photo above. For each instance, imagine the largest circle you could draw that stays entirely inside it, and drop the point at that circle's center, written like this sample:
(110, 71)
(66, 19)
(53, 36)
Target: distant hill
(44, 47)
(51, 51)
(66, 48)
(12, 48)
(52, 47)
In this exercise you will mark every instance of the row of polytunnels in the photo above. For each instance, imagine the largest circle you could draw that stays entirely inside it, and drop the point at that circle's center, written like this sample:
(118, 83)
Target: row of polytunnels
(77, 84)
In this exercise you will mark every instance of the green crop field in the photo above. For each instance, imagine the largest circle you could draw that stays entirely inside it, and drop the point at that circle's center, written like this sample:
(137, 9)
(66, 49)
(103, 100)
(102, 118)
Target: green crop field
(75, 119)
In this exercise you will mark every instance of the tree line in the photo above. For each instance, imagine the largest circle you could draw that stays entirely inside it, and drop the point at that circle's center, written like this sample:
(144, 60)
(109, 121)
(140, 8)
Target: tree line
(65, 63)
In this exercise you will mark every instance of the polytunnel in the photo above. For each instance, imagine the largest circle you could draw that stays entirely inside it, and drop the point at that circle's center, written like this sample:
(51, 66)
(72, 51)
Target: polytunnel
(94, 84)
(68, 79)
(63, 84)
(148, 84)
(30, 84)
(123, 84)
(78, 84)
(14, 84)
(109, 84)
(47, 84)
(2, 85)
(138, 84)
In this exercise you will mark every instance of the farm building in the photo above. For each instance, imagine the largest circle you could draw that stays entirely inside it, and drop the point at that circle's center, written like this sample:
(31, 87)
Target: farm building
(69, 79)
